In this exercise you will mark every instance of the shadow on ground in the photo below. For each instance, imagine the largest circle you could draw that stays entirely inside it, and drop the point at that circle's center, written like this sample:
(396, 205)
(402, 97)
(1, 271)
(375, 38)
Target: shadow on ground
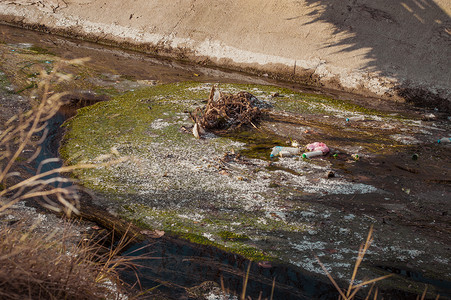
(414, 34)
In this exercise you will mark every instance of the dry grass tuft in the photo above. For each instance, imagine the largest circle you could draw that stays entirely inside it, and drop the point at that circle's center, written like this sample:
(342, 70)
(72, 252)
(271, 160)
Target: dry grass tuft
(352, 290)
(36, 266)
(25, 133)
(49, 266)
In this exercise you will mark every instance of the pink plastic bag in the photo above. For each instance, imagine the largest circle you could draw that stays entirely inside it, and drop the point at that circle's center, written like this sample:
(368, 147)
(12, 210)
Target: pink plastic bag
(316, 146)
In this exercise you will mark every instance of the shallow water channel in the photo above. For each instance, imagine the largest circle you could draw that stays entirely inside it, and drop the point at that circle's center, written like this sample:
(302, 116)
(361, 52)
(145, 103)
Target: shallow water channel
(284, 211)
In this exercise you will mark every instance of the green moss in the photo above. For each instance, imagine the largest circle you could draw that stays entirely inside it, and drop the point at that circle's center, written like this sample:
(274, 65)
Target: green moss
(232, 236)
(258, 142)
(248, 252)
(40, 50)
(253, 253)
(4, 83)
(141, 224)
(198, 239)
(125, 118)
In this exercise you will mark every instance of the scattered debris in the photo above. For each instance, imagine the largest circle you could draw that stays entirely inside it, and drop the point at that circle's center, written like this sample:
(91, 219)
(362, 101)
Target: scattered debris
(429, 117)
(226, 112)
(316, 146)
(355, 157)
(295, 143)
(315, 149)
(312, 154)
(407, 191)
(444, 140)
(153, 233)
(284, 151)
(356, 118)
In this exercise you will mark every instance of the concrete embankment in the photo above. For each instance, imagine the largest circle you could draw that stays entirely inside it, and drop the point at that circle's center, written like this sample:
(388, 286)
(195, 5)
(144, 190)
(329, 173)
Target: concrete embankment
(398, 50)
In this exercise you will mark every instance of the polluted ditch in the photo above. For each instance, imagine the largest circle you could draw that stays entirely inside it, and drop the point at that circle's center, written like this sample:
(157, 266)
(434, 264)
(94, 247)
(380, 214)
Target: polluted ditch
(383, 168)
(288, 208)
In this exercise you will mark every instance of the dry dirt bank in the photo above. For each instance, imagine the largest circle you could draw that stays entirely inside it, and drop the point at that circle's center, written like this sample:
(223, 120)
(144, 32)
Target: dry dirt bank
(398, 50)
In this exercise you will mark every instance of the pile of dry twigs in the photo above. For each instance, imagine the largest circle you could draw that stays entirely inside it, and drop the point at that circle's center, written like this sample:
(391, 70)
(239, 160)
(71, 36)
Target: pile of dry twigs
(226, 112)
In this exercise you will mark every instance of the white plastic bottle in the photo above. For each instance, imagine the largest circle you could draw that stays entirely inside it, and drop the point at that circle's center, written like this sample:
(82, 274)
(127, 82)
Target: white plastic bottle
(284, 151)
(312, 154)
(444, 140)
(356, 118)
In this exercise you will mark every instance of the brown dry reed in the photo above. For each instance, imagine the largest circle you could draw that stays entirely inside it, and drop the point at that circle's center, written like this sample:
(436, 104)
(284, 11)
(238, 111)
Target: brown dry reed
(43, 266)
(27, 131)
(352, 289)
(49, 266)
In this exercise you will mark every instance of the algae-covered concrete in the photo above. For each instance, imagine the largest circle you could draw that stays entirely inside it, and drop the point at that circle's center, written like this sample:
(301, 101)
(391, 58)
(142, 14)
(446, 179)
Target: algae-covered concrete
(396, 49)
(224, 192)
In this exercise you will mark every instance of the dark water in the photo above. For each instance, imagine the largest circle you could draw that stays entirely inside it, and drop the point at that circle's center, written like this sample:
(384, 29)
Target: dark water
(44, 161)
(184, 265)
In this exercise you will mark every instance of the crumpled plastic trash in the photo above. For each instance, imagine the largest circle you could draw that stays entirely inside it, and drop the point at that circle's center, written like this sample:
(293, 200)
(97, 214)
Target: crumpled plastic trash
(317, 146)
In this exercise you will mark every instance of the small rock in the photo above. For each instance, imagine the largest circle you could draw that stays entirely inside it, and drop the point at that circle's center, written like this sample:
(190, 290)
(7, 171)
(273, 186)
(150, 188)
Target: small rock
(329, 174)
(429, 117)
(223, 172)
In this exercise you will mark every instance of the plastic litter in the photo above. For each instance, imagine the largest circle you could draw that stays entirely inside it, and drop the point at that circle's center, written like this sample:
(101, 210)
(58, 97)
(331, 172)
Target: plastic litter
(284, 151)
(198, 131)
(312, 154)
(316, 146)
(315, 149)
(356, 118)
(444, 140)
(355, 156)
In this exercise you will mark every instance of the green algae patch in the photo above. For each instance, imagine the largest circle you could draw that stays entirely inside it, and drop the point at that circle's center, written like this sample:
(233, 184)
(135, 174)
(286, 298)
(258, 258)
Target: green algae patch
(232, 236)
(220, 191)
(5, 83)
(40, 50)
